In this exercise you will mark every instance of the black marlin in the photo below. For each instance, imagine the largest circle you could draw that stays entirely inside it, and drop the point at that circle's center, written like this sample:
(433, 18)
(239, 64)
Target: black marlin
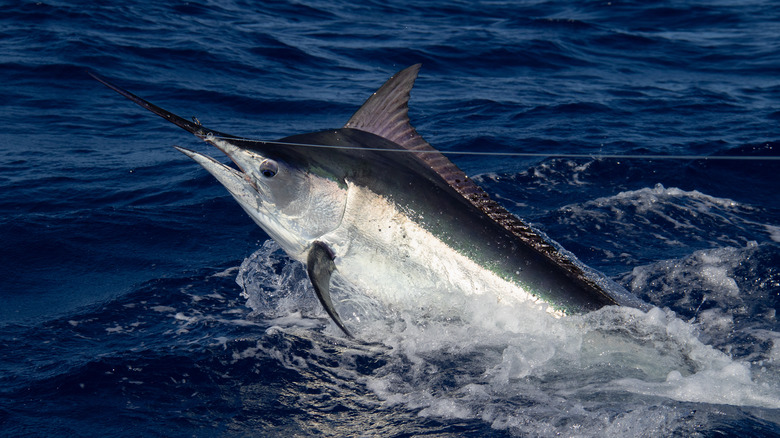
(379, 204)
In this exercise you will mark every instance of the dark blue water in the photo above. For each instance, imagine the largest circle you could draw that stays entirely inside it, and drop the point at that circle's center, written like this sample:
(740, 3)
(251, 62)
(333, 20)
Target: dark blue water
(121, 312)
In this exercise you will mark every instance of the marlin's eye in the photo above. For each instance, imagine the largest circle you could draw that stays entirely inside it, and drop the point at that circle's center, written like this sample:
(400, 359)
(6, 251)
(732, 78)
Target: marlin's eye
(269, 168)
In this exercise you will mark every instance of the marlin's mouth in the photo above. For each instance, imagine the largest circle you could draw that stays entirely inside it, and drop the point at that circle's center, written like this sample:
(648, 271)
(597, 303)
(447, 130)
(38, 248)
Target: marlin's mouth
(231, 151)
(235, 181)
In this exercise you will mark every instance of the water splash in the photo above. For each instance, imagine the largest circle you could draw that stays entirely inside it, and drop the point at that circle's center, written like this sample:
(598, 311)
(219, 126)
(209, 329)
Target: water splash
(527, 373)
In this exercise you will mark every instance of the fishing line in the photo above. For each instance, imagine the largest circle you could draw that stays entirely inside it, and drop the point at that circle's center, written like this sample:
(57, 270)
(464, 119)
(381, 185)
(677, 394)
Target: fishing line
(521, 154)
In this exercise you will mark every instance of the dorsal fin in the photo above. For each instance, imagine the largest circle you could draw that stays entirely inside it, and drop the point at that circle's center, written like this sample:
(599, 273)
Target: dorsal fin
(386, 114)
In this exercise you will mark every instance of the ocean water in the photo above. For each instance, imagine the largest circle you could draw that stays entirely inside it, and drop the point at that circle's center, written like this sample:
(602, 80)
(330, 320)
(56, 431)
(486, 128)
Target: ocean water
(139, 300)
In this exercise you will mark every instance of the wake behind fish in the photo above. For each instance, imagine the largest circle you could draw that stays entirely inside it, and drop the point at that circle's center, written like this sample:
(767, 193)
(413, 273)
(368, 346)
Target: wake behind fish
(618, 369)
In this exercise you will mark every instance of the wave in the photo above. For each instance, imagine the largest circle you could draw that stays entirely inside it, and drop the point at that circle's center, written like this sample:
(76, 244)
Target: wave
(522, 372)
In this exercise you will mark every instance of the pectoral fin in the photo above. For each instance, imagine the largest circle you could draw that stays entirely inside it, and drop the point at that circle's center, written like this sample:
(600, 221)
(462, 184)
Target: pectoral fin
(320, 266)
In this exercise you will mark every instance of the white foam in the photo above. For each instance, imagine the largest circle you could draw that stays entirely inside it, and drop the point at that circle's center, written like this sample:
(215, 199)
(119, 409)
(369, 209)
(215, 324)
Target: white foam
(647, 198)
(715, 378)
(710, 271)
(729, 385)
(274, 285)
(774, 232)
(673, 217)
(774, 355)
(229, 272)
(519, 369)
(163, 309)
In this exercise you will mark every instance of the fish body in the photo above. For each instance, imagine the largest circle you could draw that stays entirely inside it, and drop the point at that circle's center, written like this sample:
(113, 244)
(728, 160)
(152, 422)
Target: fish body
(375, 202)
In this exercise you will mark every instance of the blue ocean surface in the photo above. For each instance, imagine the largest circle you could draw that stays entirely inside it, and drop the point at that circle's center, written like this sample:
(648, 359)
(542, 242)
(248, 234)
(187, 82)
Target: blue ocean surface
(138, 299)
